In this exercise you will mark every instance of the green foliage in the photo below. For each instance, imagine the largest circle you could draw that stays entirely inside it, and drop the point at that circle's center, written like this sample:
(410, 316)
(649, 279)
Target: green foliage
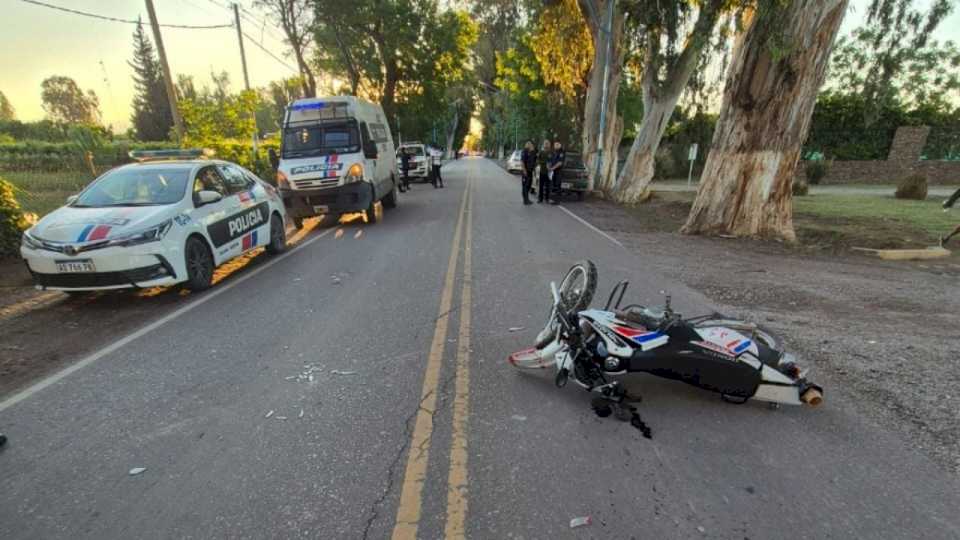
(218, 115)
(151, 118)
(913, 186)
(891, 61)
(45, 130)
(12, 220)
(6, 109)
(563, 46)
(50, 157)
(64, 102)
(815, 171)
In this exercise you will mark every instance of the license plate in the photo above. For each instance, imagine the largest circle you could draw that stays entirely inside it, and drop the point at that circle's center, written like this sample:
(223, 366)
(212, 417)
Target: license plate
(321, 209)
(565, 185)
(74, 267)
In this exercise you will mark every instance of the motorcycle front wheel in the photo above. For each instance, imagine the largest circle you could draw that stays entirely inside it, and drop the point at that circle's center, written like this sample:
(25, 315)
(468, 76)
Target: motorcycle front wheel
(576, 292)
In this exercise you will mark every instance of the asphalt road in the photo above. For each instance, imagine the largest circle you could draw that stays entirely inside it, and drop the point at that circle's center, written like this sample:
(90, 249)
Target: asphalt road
(412, 423)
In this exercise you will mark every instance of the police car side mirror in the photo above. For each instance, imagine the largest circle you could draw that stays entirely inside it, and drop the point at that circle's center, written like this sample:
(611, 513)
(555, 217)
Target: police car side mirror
(72, 199)
(207, 197)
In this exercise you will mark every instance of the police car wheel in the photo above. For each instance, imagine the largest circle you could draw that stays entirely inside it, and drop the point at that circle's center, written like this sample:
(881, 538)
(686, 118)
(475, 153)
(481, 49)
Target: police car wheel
(278, 236)
(199, 264)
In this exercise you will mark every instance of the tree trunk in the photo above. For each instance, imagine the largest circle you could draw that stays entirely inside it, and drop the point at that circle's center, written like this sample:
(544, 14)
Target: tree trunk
(309, 83)
(592, 105)
(639, 168)
(452, 134)
(659, 101)
(767, 104)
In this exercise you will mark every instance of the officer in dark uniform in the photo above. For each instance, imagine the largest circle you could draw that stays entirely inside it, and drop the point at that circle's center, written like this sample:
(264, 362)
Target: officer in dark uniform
(543, 161)
(405, 168)
(528, 159)
(557, 160)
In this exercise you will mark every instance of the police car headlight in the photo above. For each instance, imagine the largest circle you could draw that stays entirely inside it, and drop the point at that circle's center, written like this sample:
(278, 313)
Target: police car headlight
(354, 173)
(153, 234)
(30, 242)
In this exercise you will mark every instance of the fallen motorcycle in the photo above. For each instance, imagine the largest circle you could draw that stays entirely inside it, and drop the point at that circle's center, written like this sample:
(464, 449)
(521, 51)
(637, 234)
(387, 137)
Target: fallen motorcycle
(736, 359)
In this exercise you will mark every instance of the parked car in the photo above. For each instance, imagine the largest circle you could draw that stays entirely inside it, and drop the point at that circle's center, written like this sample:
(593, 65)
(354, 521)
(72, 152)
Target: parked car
(170, 218)
(421, 160)
(574, 179)
(329, 158)
(514, 165)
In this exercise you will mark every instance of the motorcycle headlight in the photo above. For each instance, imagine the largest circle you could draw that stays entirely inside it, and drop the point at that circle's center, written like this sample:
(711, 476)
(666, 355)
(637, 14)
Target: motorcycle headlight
(354, 173)
(153, 234)
(30, 242)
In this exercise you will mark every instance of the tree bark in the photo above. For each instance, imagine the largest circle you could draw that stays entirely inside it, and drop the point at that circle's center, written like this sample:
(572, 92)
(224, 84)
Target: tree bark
(452, 134)
(593, 12)
(767, 104)
(659, 101)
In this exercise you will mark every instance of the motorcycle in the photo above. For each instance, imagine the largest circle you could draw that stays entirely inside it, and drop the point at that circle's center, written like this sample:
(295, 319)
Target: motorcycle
(737, 359)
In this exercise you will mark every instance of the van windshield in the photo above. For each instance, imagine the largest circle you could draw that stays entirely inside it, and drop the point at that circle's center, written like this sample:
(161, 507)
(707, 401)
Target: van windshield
(307, 139)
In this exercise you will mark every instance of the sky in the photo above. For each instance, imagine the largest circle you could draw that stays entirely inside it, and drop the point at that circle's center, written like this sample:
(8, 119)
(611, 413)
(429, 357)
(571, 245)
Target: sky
(37, 42)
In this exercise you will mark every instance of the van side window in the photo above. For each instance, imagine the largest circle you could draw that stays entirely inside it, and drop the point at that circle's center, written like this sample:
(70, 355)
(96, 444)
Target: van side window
(365, 133)
(378, 132)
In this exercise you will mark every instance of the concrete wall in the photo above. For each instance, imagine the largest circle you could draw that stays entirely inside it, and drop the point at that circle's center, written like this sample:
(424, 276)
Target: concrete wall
(903, 159)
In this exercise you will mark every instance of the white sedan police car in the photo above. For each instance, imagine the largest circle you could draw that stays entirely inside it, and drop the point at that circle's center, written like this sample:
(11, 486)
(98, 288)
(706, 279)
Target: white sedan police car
(170, 218)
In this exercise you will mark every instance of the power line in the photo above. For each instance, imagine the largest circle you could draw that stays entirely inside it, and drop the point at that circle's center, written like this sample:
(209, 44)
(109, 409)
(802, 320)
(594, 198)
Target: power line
(270, 54)
(115, 19)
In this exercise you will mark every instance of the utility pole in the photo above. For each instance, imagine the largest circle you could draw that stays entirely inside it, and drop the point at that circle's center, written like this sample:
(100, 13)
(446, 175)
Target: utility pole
(246, 77)
(167, 79)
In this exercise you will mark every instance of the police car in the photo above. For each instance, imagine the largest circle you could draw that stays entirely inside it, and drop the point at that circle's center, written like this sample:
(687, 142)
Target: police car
(171, 217)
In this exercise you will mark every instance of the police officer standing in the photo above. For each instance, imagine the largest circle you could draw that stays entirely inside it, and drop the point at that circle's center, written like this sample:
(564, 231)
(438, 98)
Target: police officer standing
(557, 160)
(435, 165)
(543, 161)
(528, 159)
(405, 168)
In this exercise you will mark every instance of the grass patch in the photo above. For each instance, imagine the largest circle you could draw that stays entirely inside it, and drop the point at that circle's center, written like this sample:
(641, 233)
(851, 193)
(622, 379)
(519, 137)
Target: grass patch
(831, 221)
(43, 192)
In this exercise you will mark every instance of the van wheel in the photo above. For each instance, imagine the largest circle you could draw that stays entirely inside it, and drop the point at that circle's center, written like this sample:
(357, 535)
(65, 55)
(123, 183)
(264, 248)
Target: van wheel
(278, 236)
(199, 263)
(390, 201)
(298, 223)
(371, 211)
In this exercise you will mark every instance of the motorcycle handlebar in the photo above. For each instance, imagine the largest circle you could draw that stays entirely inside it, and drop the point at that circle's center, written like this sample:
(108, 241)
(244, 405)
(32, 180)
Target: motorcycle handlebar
(555, 293)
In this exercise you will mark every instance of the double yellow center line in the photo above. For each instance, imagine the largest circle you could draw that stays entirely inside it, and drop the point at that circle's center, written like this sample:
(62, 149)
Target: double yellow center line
(415, 474)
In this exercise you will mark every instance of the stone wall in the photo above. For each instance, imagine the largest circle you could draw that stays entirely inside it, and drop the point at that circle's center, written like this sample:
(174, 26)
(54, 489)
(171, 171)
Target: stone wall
(903, 159)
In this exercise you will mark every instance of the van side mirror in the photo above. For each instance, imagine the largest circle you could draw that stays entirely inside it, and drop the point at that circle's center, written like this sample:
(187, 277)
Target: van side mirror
(274, 159)
(370, 150)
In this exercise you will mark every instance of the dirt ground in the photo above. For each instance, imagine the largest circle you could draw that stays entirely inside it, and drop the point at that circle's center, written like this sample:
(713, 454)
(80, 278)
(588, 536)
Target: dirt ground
(886, 331)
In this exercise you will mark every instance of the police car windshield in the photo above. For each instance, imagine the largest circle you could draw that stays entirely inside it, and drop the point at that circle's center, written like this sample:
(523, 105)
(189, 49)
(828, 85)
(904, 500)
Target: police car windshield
(136, 186)
(307, 139)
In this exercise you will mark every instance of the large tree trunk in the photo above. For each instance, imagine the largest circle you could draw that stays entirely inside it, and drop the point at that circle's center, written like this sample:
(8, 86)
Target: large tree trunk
(767, 104)
(659, 101)
(592, 105)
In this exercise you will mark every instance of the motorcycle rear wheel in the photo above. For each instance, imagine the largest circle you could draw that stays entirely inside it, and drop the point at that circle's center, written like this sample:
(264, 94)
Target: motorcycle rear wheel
(576, 291)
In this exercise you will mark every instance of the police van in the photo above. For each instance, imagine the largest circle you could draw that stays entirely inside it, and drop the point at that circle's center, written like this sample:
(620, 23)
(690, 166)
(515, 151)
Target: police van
(336, 157)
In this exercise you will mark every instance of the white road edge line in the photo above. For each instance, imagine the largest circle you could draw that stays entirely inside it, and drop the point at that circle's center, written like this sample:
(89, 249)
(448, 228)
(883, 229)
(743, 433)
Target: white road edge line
(588, 225)
(69, 370)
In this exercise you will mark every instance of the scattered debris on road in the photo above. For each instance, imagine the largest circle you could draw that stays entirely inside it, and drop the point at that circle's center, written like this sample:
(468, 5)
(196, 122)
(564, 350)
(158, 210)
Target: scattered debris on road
(515, 328)
(301, 414)
(268, 415)
(338, 372)
(335, 280)
(137, 470)
(281, 417)
(519, 418)
(580, 522)
(701, 529)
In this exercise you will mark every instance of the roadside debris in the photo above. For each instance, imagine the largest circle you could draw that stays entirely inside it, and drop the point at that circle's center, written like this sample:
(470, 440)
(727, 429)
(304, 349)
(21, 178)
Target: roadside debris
(281, 417)
(136, 470)
(335, 280)
(519, 418)
(268, 415)
(580, 522)
(701, 529)
(515, 328)
(301, 414)
(338, 372)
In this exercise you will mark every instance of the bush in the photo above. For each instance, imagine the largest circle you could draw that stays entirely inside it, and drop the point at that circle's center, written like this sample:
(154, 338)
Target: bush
(800, 187)
(913, 186)
(815, 171)
(12, 220)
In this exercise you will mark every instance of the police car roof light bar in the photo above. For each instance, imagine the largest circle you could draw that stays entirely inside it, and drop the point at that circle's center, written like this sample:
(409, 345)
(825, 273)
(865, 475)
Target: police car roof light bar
(174, 154)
